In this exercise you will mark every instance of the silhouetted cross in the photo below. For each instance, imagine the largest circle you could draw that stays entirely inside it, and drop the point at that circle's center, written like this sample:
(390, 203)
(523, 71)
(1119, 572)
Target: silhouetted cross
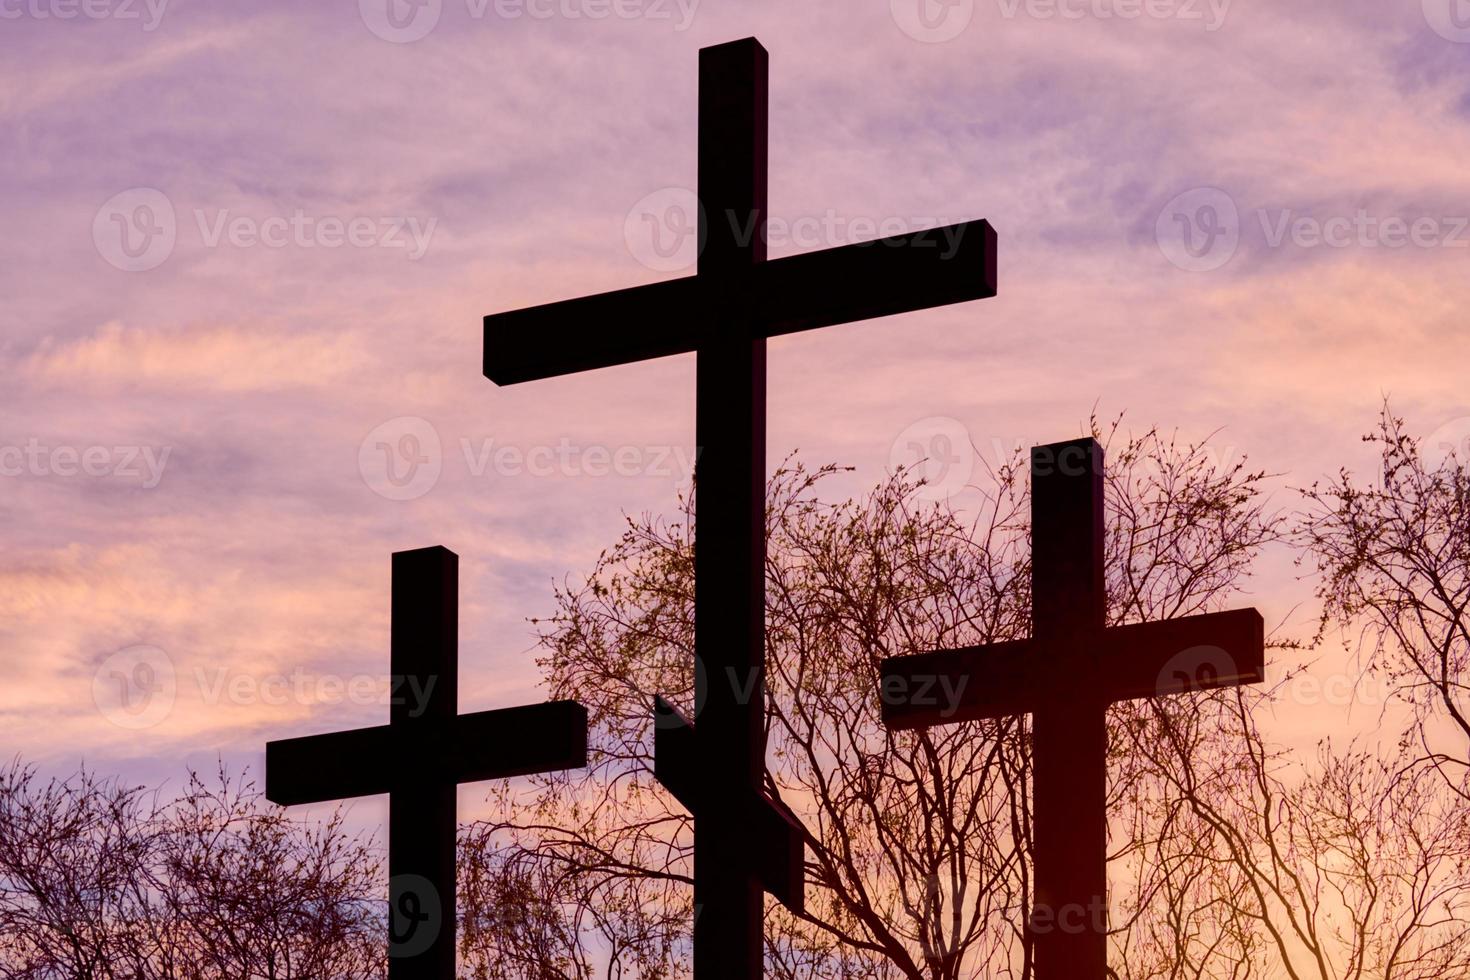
(1065, 676)
(420, 756)
(724, 314)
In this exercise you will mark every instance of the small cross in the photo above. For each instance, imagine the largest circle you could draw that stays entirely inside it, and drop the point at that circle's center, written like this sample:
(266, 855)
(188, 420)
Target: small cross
(724, 314)
(1065, 676)
(419, 758)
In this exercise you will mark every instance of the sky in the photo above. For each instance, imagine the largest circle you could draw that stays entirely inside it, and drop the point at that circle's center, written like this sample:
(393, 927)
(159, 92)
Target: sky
(249, 248)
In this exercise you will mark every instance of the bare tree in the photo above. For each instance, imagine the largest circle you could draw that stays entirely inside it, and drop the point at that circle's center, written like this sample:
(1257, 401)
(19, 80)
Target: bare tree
(264, 895)
(1394, 555)
(72, 857)
(1255, 864)
(1351, 864)
(918, 842)
(99, 881)
(1231, 856)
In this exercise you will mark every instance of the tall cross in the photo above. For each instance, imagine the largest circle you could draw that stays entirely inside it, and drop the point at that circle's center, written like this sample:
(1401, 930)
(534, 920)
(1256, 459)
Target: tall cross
(724, 314)
(424, 752)
(1066, 675)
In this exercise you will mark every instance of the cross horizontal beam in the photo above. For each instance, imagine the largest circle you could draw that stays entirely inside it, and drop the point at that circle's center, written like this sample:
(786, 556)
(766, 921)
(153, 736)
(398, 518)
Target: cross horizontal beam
(1139, 660)
(779, 841)
(484, 745)
(929, 268)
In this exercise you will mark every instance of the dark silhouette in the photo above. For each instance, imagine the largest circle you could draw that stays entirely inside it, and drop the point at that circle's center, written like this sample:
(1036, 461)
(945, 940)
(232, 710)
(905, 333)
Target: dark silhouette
(724, 314)
(778, 841)
(420, 756)
(1066, 675)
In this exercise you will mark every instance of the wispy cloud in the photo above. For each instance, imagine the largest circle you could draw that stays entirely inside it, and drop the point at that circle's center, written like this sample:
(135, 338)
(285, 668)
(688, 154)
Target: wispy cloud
(277, 371)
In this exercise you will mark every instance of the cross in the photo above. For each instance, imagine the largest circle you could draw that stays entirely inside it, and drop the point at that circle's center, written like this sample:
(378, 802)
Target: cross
(419, 758)
(1066, 675)
(724, 313)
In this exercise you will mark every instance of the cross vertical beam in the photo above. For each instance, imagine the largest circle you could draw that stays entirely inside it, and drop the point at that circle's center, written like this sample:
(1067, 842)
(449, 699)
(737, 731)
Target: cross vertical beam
(424, 656)
(1069, 732)
(729, 553)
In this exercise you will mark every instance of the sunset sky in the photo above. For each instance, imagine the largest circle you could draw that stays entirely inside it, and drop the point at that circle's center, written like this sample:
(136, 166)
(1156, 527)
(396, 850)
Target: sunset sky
(248, 249)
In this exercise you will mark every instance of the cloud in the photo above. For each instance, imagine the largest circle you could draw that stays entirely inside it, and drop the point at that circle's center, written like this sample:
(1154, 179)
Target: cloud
(264, 548)
(221, 359)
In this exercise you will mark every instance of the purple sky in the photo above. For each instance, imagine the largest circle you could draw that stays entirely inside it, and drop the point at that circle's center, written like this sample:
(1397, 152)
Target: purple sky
(249, 243)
